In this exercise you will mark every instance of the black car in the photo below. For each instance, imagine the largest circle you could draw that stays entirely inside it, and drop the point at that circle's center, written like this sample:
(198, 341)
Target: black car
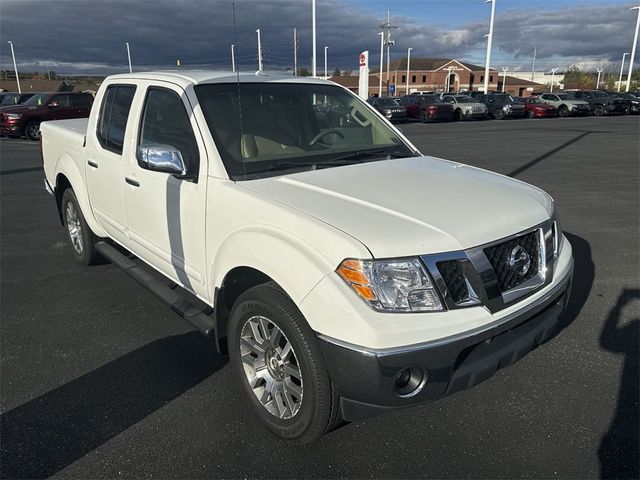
(631, 101)
(501, 105)
(601, 102)
(388, 107)
(8, 99)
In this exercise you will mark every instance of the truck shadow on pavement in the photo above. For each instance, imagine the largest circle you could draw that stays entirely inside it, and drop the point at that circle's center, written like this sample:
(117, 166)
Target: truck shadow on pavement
(619, 450)
(48, 433)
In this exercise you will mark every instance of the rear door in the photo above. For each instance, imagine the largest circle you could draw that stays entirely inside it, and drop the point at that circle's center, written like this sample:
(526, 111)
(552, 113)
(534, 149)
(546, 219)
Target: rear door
(105, 165)
(81, 105)
(166, 214)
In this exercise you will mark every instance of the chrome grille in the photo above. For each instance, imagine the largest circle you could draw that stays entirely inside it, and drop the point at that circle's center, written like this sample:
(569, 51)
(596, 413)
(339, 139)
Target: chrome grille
(499, 256)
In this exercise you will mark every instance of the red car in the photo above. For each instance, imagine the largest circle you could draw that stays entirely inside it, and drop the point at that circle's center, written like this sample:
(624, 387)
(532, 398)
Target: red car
(536, 108)
(427, 108)
(25, 119)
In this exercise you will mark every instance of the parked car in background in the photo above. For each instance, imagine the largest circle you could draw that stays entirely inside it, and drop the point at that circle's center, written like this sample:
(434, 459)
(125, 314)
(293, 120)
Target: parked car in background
(536, 108)
(8, 99)
(25, 119)
(632, 101)
(566, 104)
(388, 107)
(427, 108)
(501, 105)
(465, 107)
(601, 102)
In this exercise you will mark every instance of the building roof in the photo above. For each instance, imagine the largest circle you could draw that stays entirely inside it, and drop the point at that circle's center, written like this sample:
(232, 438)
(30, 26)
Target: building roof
(521, 82)
(353, 81)
(429, 64)
(28, 85)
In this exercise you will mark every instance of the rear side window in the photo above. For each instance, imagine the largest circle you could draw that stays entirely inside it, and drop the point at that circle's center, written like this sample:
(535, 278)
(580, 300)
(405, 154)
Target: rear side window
(165, 121)
(81, 100)
(114, 113)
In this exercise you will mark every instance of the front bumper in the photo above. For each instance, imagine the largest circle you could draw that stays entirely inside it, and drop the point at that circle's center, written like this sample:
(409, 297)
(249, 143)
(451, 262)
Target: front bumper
(364, 378)
(617, 109)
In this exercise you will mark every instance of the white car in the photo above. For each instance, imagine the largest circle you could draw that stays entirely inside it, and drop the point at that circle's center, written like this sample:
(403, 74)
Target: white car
(465, 107)
(344, 272)
(566, 104)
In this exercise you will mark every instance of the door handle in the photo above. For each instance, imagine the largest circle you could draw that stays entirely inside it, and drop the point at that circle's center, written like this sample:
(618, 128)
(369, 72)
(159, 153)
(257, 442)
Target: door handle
(92, 163)
(132, 182)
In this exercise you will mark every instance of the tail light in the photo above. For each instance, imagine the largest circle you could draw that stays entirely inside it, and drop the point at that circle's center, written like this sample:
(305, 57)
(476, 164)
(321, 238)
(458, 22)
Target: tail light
(432, 108)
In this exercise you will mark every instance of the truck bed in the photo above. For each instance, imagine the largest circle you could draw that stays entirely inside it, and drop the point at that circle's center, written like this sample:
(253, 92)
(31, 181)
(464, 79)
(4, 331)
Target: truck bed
(60, 138)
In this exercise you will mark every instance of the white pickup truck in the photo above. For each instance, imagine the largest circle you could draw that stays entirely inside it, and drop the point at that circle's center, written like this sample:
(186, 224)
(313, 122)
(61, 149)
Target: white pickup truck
(343, 272)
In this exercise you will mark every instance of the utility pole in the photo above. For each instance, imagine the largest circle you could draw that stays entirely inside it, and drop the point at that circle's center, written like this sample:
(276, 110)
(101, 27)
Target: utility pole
(408, 62)
(381, 59)
(129, 57)
(389, 42)
(553, 75)
(313, 35)
(533, 67)
(259, 51)
(598, 81)
(489, 42)
(621, 70)
(295, 52)
(504, 77)
(233, 58)
(633, 50)
(15, 66)
(326, 75)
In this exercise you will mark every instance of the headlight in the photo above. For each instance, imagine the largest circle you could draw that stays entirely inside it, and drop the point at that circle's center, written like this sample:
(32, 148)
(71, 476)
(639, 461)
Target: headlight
(573, 107)
(13, 116)
(387, 113)
(506, 108)
(401, 285)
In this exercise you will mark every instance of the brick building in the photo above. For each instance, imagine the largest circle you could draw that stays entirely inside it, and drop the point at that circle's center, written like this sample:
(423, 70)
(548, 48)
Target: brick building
(519, 87)
(438, 74)
(352, 83)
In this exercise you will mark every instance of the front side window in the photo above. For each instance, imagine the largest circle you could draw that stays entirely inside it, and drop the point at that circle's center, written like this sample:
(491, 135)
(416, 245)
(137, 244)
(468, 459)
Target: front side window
(165, 122)
(263, 129)
(114, 113)
(61, 100)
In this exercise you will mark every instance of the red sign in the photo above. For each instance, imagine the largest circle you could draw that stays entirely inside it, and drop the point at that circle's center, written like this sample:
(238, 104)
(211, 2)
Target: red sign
(363, 60)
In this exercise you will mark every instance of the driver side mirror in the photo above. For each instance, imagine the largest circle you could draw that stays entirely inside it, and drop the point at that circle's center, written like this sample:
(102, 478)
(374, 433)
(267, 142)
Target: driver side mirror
(53, 105)
(162, 158)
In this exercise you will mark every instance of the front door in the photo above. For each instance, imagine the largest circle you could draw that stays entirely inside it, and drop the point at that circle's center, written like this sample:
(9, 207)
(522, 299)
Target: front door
(166, 214)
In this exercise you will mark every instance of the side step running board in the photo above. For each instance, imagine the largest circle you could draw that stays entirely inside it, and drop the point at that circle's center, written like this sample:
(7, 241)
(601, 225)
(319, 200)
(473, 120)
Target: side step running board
(199, 318)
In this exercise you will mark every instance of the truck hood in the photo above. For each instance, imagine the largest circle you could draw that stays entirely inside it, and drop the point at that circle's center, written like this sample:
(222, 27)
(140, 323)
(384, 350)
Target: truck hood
(18, 108)
(411, 206)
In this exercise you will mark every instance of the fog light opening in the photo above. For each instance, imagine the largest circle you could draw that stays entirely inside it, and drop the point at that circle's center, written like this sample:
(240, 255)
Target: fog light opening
(409, 381)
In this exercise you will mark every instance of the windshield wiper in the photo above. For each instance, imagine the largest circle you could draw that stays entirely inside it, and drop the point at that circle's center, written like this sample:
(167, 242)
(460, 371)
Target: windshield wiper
(360, 155)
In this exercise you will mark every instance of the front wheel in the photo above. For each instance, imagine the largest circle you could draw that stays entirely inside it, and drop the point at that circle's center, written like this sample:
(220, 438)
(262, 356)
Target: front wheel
(81, 237)
(457, 115)
(32, 131)
(531, 114)
(563, 111)
(277, 359)
(423, 117)
(598, 111)
(499, 114)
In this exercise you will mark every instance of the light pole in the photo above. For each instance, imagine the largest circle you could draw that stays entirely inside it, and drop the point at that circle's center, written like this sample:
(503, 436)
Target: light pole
(633, 49)
(295, 52)
(259, 51)
(326, 73)
(504, 77)
(553, 74)
(313, 36)
(408, 62)
(489, 42)
(129, 57)
(598, 81)
(15, 66)
(381, 60)
(621, 70)
(533, 65)
(233, 58)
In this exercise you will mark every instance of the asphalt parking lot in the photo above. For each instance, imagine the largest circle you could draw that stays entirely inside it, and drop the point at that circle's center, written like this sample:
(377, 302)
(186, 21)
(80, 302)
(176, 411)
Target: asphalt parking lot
(100, 380)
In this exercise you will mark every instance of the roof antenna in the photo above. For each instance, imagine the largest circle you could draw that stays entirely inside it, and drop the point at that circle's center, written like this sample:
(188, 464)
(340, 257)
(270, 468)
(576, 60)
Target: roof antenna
(235, 41)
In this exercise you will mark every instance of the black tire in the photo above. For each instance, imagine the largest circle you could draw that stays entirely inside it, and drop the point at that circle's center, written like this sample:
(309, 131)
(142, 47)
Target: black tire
(598, 110)
(627, 110)
(457, 115)
(319, 409)
(531, 114)
(84, 251)
(423, 118)
(32, 131)
(499, 114)
(563, 111)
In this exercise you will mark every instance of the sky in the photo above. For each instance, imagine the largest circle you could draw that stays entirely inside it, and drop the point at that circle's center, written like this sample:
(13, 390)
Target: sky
(88, 36)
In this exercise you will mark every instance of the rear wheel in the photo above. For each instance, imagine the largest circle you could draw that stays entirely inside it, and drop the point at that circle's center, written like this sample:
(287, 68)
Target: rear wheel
(531, 114)
(598, 111)
(423, 117)
(457, 115)
(32, 131)
(277, 359)
(81, 237)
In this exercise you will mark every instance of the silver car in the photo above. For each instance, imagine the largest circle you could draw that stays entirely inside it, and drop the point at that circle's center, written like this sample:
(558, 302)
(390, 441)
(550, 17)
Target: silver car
(566, 104)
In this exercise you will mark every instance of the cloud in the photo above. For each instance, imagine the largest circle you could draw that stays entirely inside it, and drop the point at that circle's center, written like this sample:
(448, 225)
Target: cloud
(89, 35)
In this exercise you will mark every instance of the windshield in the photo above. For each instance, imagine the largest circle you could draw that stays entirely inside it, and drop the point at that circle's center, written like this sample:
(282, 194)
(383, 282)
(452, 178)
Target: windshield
(465, 99)
(502, 98)
(600, 94)
(10, 99)
(38, 99)
(387, 102)
(261, 128)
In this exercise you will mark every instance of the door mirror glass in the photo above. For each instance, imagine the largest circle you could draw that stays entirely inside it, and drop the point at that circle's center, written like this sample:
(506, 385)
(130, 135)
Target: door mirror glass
(53, 105)
(161, 158)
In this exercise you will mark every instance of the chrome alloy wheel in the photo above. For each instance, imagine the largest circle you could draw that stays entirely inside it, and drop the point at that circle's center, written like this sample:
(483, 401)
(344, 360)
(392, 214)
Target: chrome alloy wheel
(74, 227)
(271, 367)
